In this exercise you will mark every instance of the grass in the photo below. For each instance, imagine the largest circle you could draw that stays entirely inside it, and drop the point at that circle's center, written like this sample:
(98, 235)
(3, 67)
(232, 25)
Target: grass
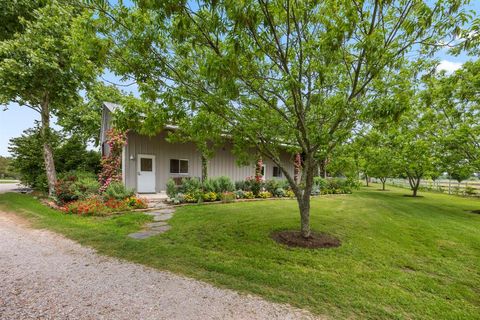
(401, 257)
(8, 181)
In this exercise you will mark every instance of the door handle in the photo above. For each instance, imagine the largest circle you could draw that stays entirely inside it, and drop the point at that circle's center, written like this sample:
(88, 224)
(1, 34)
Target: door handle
(138, 173)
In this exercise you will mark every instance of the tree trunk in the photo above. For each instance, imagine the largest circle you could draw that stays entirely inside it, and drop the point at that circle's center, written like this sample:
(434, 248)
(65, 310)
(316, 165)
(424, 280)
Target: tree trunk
(47, 148)
(383, 183)
(366, 179)
(414, 184)
(204, 168)
(303, 196)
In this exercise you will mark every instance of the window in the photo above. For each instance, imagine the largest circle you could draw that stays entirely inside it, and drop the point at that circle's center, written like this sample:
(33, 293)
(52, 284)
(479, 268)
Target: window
(178, 166)
(277, 172)
(146, 164)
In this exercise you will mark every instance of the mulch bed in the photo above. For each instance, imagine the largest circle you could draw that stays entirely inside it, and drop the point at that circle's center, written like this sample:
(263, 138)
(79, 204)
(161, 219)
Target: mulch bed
(295, 239)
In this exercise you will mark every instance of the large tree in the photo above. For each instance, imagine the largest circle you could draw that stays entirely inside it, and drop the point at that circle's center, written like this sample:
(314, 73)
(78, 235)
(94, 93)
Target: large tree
(44, 66)
(284, 75)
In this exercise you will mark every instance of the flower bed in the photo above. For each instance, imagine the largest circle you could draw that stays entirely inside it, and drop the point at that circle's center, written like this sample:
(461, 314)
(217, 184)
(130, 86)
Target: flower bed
(96, 205)
(191, 190)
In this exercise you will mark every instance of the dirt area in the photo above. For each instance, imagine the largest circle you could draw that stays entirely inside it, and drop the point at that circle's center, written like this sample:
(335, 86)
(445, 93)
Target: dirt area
(316, 240)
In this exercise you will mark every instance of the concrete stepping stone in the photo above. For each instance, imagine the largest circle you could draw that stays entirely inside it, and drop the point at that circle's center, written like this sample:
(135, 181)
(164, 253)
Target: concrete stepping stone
(156, 224)
(163, 217)
(142, 234)
(166, 211)
(161, 229)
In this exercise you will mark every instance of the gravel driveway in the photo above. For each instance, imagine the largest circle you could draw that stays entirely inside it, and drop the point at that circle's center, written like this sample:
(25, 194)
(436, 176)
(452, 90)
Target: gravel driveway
(46, 276)
(9, 187)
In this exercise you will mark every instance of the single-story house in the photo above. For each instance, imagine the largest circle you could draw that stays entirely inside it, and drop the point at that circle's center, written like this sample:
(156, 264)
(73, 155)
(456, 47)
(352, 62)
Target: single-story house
(149, 162)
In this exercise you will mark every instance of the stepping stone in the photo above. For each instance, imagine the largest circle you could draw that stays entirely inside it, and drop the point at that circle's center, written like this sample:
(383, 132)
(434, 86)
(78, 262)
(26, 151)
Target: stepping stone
(156, 224)
(152, 213)
(166, 211)
(161, 229)
(162, 217)
(142, 234)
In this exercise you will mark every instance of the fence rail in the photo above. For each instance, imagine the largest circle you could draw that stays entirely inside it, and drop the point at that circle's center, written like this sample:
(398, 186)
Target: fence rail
(446, 186)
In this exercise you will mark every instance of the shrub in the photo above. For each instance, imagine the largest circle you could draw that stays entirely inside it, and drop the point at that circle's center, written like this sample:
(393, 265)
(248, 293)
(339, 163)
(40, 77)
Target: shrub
(136, 203)
(240, 194)
(190, 198)
(118, 191)
(77, 185)
(279, 192)
(289, 194)
(264, 194)
(172, 190)
(272, 185)
(178, 198)
(240, 185)
(254, 185)
(210, 196)
(249, 195)
(224, 184)
(227, 197)
(190, 185)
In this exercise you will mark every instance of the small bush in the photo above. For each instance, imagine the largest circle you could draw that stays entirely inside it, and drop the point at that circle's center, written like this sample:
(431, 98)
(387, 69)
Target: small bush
(289, 194)
(136, 203)
(248, 195)
(240, 194)
(224, 184)
(279, 192)
(227, 197)
(116, 190)
(190, 198)
(264, 194)
(172, 190)
(74, 186)
(240, 185)
(210, 196)
(190, 185)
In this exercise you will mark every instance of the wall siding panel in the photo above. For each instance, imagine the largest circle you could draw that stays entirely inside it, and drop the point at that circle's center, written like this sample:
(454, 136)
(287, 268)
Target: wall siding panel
(222, 164)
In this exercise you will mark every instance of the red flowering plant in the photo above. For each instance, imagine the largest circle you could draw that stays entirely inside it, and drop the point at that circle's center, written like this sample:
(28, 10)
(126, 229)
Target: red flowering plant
(112, 164)
(258, 170)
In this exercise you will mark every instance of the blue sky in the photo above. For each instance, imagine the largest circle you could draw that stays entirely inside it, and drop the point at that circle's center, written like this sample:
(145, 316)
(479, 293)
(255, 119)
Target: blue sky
(16, 119)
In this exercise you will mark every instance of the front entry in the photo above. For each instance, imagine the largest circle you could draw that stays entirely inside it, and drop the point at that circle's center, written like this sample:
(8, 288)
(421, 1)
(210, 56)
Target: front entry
(146, 173)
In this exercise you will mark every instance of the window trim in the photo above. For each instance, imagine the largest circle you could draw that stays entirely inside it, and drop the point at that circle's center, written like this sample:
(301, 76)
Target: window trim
(179, 166)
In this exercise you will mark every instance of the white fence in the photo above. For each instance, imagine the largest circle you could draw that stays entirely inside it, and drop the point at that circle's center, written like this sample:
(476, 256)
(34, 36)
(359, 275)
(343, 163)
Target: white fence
(446, 186)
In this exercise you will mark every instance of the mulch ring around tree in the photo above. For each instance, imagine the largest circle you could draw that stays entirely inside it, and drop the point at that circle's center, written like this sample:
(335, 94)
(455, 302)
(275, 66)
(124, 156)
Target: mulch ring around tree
(295, 239)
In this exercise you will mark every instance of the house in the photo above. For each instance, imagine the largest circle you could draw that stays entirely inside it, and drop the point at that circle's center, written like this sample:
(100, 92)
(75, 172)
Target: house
(149, 162)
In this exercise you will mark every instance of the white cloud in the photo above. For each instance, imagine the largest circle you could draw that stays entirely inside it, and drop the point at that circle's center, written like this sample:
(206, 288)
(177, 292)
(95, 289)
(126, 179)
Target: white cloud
(449, 66)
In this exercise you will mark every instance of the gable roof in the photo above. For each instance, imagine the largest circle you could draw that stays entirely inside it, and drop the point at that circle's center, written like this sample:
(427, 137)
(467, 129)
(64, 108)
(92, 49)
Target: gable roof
(112, 106)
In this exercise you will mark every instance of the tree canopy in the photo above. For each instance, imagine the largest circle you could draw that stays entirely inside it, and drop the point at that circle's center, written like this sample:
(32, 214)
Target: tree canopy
(283, 75)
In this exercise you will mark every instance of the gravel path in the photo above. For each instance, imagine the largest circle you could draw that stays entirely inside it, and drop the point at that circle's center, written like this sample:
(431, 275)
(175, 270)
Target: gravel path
(46, 276)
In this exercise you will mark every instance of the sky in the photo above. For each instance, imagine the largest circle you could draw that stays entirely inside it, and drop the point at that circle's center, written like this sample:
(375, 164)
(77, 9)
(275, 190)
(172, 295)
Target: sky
(15, 119)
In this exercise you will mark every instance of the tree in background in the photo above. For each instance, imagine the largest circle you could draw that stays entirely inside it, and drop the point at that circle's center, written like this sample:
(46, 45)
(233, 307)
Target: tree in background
(42, 66)
(377, 154)
(284, 76)
(70, 154)
(455, 101)
(415, 152)
(6, 170)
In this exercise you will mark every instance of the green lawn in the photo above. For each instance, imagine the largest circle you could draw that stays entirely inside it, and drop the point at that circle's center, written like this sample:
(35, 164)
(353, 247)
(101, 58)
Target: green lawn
(8, 181)
(400, 257)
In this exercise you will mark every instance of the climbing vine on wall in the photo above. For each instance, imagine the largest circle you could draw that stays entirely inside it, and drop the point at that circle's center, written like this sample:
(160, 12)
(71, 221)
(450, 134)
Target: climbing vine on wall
(112, 163)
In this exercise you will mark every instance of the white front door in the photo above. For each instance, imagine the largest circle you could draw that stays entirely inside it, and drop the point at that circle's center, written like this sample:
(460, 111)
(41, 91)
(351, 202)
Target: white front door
(145, 173)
